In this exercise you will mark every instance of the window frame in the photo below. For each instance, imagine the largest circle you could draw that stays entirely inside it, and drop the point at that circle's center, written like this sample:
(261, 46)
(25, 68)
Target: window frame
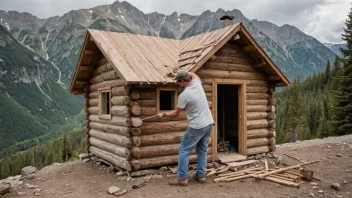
(100, 92)
(158, 98)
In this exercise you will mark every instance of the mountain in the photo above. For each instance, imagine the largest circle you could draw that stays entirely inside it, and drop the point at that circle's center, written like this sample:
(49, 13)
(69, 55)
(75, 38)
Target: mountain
(335, 47)
(59, 39)
(33, 101)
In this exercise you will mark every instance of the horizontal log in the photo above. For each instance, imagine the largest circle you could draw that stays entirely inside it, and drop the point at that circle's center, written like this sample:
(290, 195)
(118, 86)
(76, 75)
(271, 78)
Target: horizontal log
(271, 116)
(209, 96)
(181, 117)
(135, 131)
(120, 100)
(160, 127)
(115, 159)
(272, 108)
(159, 161)
(120, 130)
(229, 67)
(115, 120)
(232, 75)
(158, 150)
(119, 91)
(93, 110)
(272, 101)
(103, 68)
(260, 133)
(207, 81)
(147, 103)
(258, 102)
(257, 115)
(208, 88)
(93, 102)
(96, 80)
(158, 139)
(271, 141)
(252, 89)
(110, 83)
(143, 94)
(232, 59)
(112, 138)
(257, 83)
(136, 122)
(93, 94)
(148, 111)
(257, 108)
(257, 124)
(102, 61)
(257, 150)
(122, 111)
(271, 124)
(254, 96)
(113, 148)
(110, 75)
(257, 142)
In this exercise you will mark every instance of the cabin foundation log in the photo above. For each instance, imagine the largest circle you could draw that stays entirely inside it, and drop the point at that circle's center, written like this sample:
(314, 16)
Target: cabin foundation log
(257, 150)
(158, 139)
(113, 158)
(120, 130)
(161, 127)
(259, 133)
(118, 150)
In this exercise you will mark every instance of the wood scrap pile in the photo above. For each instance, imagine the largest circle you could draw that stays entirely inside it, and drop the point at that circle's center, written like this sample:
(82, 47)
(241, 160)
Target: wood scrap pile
(278, 175)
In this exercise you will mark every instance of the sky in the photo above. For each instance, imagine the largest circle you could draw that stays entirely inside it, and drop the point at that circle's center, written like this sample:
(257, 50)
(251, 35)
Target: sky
(322, 19)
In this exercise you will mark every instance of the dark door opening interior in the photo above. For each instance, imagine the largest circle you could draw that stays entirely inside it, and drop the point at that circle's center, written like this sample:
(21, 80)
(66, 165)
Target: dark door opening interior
(227, 110)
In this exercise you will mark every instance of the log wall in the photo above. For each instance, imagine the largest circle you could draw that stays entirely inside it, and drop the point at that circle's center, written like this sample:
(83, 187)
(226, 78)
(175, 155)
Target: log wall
(156, 142)
(230, 62)
(109, 138)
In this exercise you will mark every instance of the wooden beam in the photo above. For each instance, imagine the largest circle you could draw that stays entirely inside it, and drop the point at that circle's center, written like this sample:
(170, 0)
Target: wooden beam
(85, 68)
(77, 91)
(274, 78)
(249, 48)
(81, 82)
(91, 52)
(261, 64)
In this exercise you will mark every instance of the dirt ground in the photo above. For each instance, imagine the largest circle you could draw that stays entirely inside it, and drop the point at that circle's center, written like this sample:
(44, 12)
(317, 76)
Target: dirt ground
(85, 180)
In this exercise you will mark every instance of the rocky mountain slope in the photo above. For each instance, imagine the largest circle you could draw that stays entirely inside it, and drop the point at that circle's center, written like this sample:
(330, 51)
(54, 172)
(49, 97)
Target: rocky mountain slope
(335, 47)
(59, 39)
(33, 100)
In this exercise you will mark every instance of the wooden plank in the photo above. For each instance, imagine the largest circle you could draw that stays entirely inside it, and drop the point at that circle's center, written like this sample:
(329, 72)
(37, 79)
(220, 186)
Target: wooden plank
(165, 48)
(230, 32)
(230, 157)
(147, 64)
(157, 50)
(114, 57)
(130, 58)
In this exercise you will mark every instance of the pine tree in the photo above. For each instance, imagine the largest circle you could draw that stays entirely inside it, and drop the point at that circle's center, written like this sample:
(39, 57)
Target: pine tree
(294, 111)
(343, 108)
(327, 72)
(64, 149)
(336, 68)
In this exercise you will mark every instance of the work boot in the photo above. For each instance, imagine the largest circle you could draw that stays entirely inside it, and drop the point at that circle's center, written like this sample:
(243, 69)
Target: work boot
(179, 182)
(200, 180)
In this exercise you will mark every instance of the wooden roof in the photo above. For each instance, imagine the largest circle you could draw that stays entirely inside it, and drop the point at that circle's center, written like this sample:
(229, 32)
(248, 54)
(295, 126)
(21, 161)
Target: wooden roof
(149, 60)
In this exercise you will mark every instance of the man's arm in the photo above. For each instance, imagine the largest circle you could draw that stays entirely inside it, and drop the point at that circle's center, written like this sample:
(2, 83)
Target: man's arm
(193, 76)
(171, 114)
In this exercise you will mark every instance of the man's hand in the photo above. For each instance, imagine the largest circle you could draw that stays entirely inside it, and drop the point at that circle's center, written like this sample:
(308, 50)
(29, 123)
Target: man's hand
(161, 115)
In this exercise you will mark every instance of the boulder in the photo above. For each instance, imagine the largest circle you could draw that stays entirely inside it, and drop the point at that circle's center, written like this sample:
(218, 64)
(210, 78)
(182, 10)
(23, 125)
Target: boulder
(113, 189)
(4, 188)
(28, 170)
(336, 186)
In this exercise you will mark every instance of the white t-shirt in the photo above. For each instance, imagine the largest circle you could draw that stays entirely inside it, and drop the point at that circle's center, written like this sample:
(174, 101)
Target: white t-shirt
(195, 103)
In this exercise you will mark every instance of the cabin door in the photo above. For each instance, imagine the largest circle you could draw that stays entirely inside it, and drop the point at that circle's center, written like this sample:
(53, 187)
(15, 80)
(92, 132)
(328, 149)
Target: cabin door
(229, 116)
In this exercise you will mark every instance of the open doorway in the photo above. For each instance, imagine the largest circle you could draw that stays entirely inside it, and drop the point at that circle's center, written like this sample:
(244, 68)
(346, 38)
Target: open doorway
(229, 112)
(227, 118)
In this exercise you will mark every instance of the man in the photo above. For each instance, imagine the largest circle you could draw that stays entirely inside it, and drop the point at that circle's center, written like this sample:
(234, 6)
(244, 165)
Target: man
(198, 133)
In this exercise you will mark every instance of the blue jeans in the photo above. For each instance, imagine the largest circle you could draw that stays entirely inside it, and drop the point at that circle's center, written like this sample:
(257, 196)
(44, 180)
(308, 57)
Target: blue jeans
(198, 138)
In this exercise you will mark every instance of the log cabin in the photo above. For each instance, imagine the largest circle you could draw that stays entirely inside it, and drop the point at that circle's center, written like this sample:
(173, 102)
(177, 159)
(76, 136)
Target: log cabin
(127, 77)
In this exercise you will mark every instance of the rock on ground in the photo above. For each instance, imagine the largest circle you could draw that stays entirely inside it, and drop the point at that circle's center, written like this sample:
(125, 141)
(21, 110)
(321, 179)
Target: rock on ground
(4, 188)
(28, 170)
(113, 189)
(336, 186)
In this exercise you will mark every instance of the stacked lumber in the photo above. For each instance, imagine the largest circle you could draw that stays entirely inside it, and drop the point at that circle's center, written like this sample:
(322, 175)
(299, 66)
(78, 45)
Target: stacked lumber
(109, 136)
(280, 176)
(232, 63)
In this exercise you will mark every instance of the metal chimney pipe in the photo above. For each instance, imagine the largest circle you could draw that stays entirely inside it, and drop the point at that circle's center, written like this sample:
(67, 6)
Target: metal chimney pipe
(226, 20)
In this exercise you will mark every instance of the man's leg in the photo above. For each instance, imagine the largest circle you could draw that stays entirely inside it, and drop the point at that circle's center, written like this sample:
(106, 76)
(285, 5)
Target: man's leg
(201, 149)
(189, 141)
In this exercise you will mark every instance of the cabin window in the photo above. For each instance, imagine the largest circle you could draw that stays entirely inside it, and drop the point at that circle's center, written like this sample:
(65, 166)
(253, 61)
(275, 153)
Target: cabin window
(167, 99)
(105, 103)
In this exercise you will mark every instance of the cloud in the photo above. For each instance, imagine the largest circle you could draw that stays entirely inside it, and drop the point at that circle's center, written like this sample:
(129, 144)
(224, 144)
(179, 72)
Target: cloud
(322, 19)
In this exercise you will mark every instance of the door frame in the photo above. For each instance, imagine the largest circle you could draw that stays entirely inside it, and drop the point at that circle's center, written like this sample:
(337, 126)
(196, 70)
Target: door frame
(242, 118)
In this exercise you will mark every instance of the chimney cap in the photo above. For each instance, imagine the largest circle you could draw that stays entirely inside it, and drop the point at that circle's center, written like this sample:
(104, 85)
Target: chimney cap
(227, 17)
